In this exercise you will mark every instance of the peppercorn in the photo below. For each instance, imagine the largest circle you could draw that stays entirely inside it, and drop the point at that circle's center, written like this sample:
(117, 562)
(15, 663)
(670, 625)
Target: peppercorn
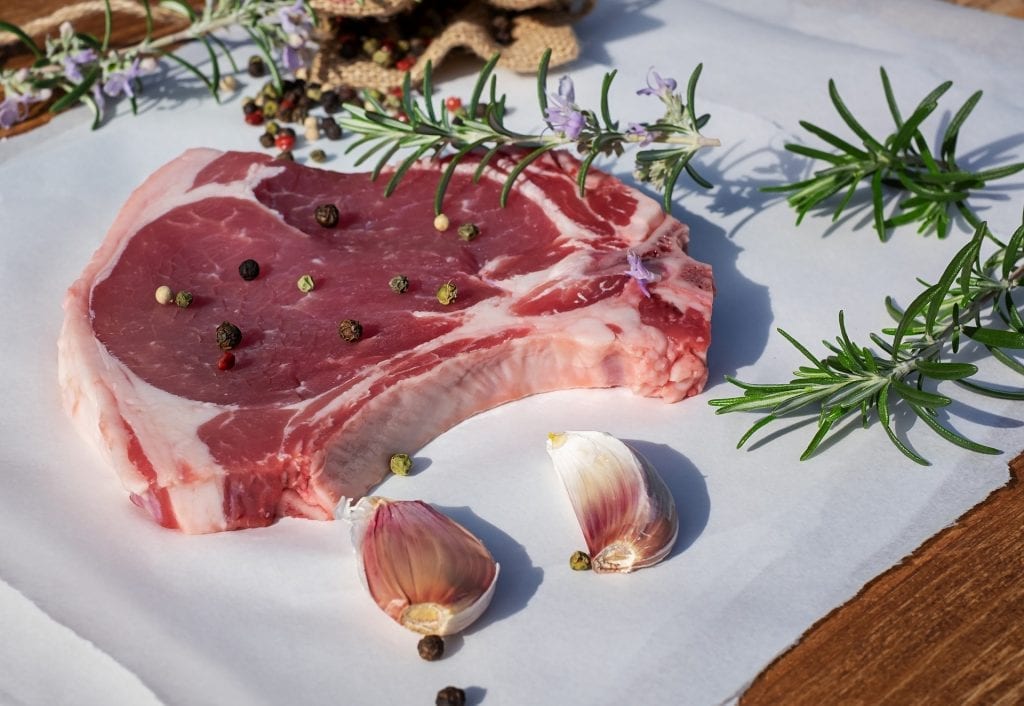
(332, 131)
(579, 561)
(447, 293)
(288, 131)
(318, 156)
(228, 84)
(305, 284)
(266, 140)
(254, 118)
(284, 142)
(400, 464)
(270, 108)
(450, 696)
(256, 67)
(249, 106)
(370, 45)
(330, 101)
(347, 94)
(164, 294)
(405, 63)
(228, 335)
(183, 299)
(441, 222)
(452, 103)
(273, 128)
(249, 270)
(431, 648)
(350, 330)
(399, 283)
(313, 92)
(285, 156)
(327, 215)
(227, 361)
(468, 231)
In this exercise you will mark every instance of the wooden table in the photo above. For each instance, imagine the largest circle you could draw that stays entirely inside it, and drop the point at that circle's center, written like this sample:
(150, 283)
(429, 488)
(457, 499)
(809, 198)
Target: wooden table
(944, 626)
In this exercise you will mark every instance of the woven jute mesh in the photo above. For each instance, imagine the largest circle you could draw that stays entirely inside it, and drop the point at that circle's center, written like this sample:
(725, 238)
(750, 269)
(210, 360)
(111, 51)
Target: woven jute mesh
(537, 25)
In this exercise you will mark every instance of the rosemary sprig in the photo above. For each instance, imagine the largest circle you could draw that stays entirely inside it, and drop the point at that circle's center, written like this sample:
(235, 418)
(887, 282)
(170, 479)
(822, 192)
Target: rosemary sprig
(429, 131)
(851, 378)
(929, 181)
(83, 68)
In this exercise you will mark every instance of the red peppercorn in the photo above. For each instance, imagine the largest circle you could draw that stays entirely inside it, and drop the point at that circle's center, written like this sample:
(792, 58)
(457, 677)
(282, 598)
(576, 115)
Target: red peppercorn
(254, 118)
(284, 141)
(452, 103)
(405, 64)
(395, 91)
(227, 361)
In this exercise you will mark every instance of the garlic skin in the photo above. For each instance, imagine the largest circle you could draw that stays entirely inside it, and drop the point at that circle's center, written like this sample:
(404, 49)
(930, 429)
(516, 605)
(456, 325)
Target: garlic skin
(624, 508)
(423, 569)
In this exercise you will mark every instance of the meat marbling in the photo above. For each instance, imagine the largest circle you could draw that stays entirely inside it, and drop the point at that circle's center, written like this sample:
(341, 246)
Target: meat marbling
(304, 417)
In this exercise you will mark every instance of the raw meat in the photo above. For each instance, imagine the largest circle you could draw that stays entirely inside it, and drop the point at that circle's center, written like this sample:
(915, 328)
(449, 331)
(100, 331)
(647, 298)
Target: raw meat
(544, 303)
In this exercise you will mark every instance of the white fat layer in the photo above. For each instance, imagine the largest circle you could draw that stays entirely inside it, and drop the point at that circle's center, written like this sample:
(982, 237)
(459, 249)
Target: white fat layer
(205, 501)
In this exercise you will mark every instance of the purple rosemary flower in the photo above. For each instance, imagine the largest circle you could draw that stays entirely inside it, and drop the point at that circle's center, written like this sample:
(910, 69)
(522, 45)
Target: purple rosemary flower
(638, 133)
(562, 114)
(661, 87)
(121, 81)
(295, 20)
(14, 108)
(73, 64)
(638, 272)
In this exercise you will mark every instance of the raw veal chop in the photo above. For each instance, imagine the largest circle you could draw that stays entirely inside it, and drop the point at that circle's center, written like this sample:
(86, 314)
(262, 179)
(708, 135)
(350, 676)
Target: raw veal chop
(544, 302)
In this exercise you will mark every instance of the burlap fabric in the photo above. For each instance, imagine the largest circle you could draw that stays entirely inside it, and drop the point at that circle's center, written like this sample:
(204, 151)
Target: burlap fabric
(536, 26)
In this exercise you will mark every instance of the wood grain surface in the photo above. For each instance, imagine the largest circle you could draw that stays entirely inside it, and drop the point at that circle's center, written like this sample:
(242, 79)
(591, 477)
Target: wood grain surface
(946, 626)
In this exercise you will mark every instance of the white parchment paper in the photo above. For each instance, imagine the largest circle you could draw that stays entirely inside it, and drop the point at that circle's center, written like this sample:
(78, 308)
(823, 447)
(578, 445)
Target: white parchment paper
(100, 606)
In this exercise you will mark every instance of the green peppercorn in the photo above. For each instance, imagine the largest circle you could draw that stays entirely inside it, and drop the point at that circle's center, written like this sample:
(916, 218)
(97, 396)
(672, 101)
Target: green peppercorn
(256, 67)
(318, 156)
(249, 270)
(183, 299)
(305, 284)
(399, 283)
(269, 108)
(450, 696)
(273, 128)
(468, 231)
(350, 330)
(579, 561)
(228, 336)
(447, 293)
(327, 215)
(431, 647)
(400, 464)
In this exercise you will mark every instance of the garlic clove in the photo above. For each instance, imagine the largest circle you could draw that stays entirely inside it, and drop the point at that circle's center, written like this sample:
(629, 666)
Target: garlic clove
(423, 569)
(624, 508)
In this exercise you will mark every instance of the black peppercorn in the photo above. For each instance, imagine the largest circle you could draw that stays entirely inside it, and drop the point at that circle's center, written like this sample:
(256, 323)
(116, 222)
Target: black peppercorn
(350, 330)
(431, 648)
(267, 140)
(228, 336)
(327, 215)
(330, 101)
(450, 696)
(250, 107)
(256, 67)
(249, 270)
(347, 94)
(332, 131)
(285, 156)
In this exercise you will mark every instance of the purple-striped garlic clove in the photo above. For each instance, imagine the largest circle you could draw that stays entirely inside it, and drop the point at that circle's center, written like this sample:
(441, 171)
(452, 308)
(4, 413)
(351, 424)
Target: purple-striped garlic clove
(423, 569)
(624, 508)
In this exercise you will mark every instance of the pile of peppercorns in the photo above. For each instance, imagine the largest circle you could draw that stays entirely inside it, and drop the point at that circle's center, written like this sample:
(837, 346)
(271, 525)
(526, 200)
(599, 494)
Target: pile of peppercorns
(292, 103)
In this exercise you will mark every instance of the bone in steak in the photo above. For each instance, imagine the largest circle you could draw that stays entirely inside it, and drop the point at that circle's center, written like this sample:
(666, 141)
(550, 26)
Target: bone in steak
(305, 417)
